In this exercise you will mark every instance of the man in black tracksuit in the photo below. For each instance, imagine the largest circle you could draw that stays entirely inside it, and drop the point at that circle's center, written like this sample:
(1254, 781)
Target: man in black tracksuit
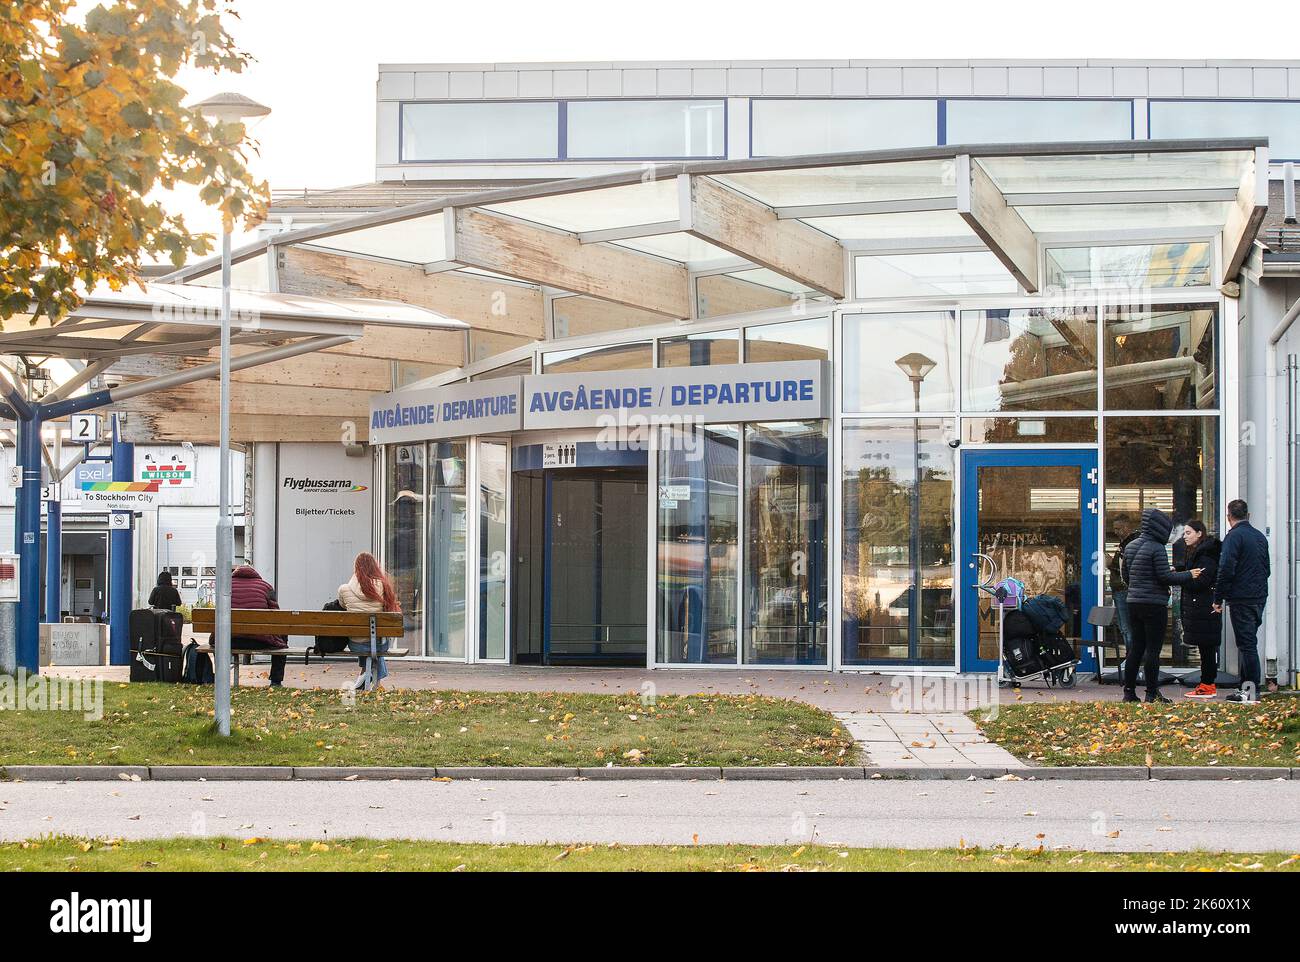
(1242, 585)
(1146, 566)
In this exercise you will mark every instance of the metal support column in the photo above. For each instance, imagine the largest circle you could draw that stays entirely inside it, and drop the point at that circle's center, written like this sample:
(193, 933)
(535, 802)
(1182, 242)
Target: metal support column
(53, 558)
(121, 569)
(27, 543)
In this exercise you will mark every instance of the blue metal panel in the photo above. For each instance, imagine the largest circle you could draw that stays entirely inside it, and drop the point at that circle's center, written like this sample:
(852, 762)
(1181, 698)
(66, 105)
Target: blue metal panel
(27, 542)
(120, 566)
(53, 559)
(972, 461)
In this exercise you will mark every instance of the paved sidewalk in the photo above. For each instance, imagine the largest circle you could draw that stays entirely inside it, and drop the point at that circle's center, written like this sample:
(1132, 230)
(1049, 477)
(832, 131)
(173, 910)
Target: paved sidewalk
(1144, 816)
(905, 740)
(832, 691)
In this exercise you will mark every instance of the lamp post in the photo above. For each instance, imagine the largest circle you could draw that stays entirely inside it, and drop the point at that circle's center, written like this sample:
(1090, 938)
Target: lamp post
(225, 108)
(915, 367)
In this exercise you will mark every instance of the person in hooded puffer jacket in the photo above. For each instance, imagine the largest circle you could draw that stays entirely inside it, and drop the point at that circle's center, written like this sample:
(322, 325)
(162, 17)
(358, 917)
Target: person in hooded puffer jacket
(1146, 566)
(249, 590)
(1202, 625)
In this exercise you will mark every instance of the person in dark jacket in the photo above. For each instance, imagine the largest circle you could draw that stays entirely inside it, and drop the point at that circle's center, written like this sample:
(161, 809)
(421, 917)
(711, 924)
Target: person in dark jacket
(1202, 625)
(249, 590)
(1124, 533)
(1146, 565)
(1242, 584)
(164, 594)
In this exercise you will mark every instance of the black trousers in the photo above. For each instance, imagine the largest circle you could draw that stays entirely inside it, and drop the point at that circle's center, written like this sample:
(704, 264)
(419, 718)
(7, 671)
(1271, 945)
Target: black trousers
(1147, 626)
(1246, 618)
(1209, 661)
(277, 661)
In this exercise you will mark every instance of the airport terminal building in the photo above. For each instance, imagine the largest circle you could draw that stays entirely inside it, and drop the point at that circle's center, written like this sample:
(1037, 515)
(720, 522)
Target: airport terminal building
(762, 356)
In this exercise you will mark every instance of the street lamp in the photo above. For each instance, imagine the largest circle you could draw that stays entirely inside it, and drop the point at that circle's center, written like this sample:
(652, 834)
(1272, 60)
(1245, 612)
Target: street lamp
(915, 367)
(225, 108)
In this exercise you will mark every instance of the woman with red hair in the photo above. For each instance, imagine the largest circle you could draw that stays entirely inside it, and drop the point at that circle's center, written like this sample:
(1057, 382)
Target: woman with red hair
(369, 589)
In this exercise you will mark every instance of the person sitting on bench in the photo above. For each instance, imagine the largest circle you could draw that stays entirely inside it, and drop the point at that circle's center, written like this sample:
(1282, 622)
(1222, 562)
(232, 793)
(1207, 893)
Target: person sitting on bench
(249, 590)
(369, 589)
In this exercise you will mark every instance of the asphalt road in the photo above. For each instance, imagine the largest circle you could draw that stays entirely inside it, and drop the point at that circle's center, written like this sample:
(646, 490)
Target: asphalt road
(1106, 816)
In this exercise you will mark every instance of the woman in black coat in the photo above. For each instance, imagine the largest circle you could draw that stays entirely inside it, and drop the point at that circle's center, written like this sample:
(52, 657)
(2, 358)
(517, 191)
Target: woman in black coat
(1202, 625)
(165, 595)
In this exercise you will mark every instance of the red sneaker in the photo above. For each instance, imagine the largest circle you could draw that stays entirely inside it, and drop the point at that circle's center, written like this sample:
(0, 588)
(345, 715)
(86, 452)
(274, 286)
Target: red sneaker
(1202, 691)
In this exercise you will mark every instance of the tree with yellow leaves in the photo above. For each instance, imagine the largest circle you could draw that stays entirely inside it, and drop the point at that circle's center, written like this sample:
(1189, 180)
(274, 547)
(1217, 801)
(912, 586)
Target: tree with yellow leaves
(91, 124)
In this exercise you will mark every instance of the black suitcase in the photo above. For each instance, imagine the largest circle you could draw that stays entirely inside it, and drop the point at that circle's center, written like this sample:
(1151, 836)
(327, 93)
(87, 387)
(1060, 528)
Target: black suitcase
(1022, 656)
(156, 644)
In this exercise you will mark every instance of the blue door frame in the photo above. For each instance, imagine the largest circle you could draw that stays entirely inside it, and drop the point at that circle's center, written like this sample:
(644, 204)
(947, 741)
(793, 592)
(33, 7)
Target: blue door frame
(1089, 505)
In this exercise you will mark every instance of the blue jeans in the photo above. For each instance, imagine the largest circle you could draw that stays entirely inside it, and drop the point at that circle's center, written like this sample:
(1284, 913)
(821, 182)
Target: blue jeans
(1245, 620)
(363, 648)
(1121, 608)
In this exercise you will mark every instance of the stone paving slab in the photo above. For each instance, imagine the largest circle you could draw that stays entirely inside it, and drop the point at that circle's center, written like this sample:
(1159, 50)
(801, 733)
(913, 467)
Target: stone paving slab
(75, 773)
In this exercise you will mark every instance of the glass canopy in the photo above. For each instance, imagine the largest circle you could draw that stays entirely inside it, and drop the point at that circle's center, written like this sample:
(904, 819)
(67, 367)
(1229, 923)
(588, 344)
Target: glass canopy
(618, 237)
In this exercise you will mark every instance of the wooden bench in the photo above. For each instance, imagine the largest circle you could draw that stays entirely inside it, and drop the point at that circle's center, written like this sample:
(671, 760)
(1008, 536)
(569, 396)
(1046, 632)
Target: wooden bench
(246, 622)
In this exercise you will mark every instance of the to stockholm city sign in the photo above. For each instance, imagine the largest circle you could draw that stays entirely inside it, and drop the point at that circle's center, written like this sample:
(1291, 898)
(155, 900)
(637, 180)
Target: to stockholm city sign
(782, 390)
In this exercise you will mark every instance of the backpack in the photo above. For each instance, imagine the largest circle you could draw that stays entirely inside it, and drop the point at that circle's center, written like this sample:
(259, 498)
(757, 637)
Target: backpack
(196, 666)
(331, 644)
(1048, 613)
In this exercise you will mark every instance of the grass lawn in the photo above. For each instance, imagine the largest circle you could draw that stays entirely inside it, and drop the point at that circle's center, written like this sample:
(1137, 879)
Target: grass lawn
(1184, 733)
(223, 855)
(157, 724)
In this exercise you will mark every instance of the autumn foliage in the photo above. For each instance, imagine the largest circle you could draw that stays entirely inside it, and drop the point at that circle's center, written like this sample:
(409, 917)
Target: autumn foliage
(91, 125)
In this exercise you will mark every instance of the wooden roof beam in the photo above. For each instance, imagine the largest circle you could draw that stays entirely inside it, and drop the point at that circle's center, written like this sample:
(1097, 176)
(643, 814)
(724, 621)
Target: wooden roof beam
(982, 205)
(1245, 215)
(491, 242)
(753, 231)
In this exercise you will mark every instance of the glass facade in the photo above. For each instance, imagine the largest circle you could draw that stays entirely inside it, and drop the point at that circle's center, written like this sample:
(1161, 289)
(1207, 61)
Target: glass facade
(1005, 121)
(404, 498)
(895, 471)
(787, 127)
(698, 549)
(445, 553)
(493, 551)
(1031, 359)
(918, 372)
(826, 542)
(513, 130)
(785, 545)
(659, 129)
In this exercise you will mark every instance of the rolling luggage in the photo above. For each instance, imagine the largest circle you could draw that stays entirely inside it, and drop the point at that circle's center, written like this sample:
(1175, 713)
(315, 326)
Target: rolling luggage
(155, 644)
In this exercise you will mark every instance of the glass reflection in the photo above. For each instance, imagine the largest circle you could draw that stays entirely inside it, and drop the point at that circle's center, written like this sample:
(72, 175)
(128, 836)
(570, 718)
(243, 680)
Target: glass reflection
(404, 536)
(886, 551)
(785, 557)
(614, 357)
(1169, 463)
(1032, 359)
(900, 362)
(1161, 358)
(492, 557)
(789, 341)
(696, 350)
(698, 550)
(446, 550)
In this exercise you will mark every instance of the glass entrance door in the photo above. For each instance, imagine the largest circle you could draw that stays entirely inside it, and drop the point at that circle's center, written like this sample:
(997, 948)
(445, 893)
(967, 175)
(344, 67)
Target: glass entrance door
(596, 567)
(1035, 513)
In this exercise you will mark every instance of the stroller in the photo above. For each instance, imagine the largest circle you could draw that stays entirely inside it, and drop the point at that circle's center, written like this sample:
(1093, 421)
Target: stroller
(1033, 645)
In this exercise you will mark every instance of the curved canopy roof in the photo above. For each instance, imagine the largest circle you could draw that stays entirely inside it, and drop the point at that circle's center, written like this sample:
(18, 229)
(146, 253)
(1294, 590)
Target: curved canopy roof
(634, 238)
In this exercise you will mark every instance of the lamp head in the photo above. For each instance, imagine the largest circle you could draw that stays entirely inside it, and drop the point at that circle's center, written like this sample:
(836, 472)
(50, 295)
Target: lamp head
(230, 108)
(916, 365)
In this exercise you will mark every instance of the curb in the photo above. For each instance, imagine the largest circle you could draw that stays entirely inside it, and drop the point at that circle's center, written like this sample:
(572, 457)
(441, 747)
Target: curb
(791, 773)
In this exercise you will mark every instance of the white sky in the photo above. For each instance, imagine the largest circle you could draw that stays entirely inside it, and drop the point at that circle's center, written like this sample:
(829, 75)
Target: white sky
(318, 59)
